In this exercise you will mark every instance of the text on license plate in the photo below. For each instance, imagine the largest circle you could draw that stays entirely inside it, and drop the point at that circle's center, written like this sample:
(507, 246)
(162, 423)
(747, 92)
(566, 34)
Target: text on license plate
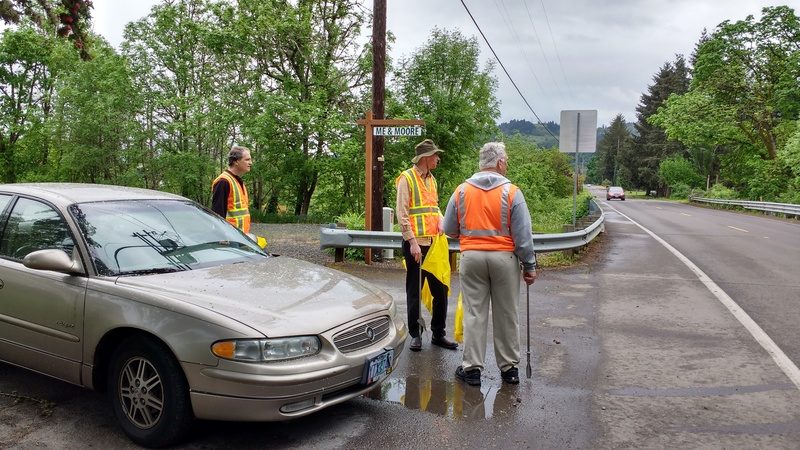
(377, 365)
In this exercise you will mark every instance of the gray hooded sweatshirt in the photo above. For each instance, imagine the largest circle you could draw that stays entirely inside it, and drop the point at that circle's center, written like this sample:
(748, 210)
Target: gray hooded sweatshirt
(521, 230)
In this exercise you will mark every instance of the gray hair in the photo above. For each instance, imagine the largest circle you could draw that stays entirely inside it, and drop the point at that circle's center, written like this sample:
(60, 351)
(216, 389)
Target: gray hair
(492, 152)
(236, 153)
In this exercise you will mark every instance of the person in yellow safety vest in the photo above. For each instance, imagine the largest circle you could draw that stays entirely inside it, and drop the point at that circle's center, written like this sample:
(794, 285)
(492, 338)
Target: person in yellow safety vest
(490, 218)
(229, 195)
(417, 211)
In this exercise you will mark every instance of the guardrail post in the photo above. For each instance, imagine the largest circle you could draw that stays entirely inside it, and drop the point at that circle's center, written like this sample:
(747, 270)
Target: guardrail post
(568, 228)
(338, 253)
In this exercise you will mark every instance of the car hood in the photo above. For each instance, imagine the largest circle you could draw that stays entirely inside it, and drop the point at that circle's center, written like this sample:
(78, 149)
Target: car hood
(278, 296)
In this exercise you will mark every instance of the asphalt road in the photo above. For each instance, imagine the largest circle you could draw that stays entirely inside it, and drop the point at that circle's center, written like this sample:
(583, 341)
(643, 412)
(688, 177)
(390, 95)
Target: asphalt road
(629, 349)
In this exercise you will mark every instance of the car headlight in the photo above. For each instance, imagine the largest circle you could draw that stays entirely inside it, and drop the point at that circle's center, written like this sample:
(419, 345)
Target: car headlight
(267, 350)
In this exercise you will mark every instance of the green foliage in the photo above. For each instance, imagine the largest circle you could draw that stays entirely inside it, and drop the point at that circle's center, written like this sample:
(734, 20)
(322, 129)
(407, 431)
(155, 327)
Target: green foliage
(291, 79)
(770, 181)
(352, 221)
(639, 163)
(721, 192)
(616, 141)
(677, 170)
(742, 107)
(680, 191)
(542, 135)
(443, 84)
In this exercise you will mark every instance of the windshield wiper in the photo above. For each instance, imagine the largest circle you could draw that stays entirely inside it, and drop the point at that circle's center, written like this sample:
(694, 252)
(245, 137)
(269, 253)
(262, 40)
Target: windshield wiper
(155, 271)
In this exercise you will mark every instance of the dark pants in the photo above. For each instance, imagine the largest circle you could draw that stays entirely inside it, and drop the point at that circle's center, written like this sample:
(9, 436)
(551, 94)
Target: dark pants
(438, 290)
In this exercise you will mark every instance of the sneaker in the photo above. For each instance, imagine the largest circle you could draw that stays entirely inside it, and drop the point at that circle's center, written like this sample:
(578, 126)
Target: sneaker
(511, 376)
(471, 377)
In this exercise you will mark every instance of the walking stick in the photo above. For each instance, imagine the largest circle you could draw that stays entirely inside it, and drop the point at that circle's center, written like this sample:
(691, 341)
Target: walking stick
(528, 298)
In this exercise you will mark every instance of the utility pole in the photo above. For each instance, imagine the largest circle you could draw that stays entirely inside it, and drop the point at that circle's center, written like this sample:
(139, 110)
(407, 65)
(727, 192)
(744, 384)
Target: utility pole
(378, 112)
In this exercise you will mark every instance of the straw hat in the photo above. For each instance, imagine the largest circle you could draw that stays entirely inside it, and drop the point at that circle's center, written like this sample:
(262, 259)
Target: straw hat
(425, 148)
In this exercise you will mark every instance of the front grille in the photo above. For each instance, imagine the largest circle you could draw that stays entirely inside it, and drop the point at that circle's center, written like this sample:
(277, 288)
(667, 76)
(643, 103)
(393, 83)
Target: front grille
(362, 335)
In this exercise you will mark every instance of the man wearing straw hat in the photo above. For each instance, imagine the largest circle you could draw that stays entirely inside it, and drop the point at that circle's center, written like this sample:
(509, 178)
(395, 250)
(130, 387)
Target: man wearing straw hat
(418, 215)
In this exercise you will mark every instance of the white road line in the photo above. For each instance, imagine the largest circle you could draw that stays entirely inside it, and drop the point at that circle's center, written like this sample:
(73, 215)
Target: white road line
(761, 337)
(738, 229)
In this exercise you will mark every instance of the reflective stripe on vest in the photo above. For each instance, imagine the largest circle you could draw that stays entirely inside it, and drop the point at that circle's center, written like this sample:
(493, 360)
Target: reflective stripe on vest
(238, 213)
(488, 227)
(423, 210)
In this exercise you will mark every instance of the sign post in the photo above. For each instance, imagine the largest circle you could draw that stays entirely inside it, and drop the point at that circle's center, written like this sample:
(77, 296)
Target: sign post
(579, 132)
(381, 127)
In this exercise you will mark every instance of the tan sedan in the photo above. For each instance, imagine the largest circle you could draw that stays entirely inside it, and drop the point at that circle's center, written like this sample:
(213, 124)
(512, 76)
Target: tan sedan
(177, 314)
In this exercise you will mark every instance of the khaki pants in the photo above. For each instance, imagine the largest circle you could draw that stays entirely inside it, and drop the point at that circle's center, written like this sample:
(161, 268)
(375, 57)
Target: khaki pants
(490, 282)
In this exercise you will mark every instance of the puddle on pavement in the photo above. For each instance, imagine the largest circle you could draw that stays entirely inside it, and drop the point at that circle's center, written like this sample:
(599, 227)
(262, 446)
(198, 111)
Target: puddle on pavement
(445, 398)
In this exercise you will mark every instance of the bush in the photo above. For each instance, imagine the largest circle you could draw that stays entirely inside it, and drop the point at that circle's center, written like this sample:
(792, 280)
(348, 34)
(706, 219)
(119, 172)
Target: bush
(721, 192)
(680, 192)
(352, 221)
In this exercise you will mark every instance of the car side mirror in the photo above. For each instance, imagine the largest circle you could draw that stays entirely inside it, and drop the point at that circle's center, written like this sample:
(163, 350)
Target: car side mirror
(54, 259)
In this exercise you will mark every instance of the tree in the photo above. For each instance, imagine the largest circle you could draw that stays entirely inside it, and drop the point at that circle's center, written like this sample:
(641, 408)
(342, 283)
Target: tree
(304, 70)
(26, 89)
(70, 17)
(677, 170)
(616, 141)
(94, 127)
(743, 103)
(752, 67)
(177, 76)
(651, 145)
(443, 84)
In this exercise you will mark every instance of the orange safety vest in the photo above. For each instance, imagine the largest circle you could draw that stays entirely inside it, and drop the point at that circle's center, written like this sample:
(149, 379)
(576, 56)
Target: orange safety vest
(484, 217)
(237, 212)
(423, 206)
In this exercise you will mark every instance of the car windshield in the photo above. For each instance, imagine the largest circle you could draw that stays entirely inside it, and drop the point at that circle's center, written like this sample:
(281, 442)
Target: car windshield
(615, 190)
(158, 236)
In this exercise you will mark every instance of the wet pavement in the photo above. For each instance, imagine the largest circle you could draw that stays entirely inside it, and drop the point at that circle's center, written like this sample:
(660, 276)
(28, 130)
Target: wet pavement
(627, 350)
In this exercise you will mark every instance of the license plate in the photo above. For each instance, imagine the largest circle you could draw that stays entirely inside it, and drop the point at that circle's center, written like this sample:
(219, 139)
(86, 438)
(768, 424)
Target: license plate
(377, 365)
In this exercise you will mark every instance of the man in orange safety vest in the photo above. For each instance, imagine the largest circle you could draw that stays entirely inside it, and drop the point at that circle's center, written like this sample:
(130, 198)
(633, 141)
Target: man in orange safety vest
(489, 216)
(417, 209)
(229, 195)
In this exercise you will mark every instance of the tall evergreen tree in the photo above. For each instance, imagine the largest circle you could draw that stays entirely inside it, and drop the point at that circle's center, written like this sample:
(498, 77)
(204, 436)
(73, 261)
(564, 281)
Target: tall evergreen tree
(651, 145)
(616, 141)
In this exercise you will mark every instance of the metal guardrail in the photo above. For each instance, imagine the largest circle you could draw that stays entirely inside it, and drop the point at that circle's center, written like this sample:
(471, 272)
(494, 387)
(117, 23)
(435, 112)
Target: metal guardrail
(787, 209)
(341, 238)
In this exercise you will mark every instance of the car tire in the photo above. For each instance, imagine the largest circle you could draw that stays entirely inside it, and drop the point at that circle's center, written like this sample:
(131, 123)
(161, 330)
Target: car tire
(160, 413)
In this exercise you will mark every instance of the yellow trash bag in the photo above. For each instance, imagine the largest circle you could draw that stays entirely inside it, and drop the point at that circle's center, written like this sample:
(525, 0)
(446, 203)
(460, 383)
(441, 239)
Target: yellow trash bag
(437, 263)
(458, 333)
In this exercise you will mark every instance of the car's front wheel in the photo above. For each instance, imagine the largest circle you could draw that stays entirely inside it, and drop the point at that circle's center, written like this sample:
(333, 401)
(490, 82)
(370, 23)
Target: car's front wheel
(149, 393)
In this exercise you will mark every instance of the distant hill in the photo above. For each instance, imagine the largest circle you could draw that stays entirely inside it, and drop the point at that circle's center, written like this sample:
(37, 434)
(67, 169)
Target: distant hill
(543, 134)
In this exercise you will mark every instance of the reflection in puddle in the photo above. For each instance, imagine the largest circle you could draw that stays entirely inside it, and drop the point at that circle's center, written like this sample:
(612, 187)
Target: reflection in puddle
(446, 398)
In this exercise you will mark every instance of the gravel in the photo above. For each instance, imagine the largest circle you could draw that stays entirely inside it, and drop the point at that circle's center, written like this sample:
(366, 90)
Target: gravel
(301, 241)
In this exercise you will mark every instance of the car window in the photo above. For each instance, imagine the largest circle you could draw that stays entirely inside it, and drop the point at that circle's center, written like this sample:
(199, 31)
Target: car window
(138, 237)
(4, 199)
(33, 225)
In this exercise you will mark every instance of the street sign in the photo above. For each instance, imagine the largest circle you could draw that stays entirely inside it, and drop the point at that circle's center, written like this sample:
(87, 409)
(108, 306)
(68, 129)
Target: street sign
(397, 131)
(572, 137)
(578, 134)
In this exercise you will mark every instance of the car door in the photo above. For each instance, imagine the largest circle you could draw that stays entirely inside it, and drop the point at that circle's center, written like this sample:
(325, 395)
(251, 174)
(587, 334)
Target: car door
(41, 312)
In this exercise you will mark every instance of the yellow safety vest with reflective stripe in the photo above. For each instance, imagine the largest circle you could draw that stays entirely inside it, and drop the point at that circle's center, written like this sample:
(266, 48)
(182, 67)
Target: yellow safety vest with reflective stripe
(423, 208)
(238, 212)
(484, 217)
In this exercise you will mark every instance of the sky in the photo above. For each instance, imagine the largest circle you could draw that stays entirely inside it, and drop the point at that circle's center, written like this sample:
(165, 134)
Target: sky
(561, 54)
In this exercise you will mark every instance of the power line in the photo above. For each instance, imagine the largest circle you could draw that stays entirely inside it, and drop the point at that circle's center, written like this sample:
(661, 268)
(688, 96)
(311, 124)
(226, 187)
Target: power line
(506, 71)
(553, 39)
